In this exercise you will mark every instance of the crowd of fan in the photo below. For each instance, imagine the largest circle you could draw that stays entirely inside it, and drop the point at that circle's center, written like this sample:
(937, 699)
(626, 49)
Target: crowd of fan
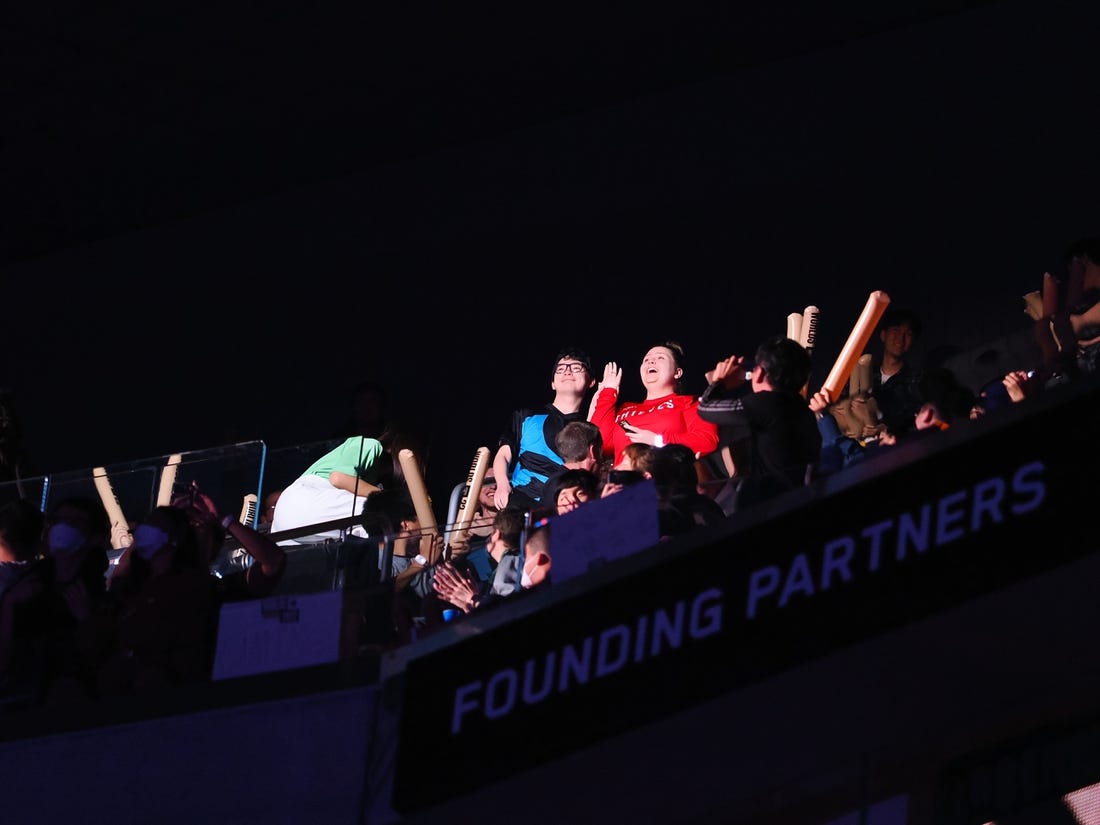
(86, 614)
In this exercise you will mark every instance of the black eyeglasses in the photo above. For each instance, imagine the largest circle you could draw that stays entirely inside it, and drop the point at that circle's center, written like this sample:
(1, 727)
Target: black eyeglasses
(562, 369)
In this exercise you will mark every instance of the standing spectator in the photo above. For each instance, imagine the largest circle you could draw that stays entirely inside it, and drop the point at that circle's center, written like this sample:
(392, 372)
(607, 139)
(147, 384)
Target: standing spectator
(666, 416)
(782, 431)
(895, 381)
(525, 457)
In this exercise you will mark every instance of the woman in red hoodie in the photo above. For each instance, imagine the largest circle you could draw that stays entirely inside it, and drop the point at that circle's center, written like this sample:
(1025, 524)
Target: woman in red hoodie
(664, 417)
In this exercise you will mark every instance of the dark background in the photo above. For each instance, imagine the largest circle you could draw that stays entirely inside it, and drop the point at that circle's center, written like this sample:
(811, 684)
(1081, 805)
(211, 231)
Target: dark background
(217, 222)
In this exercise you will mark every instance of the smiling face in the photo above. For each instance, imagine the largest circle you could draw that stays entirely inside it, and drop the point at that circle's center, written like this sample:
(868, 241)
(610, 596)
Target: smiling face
(659, 372)
(897, 340)
(571, 376)
(570, 498)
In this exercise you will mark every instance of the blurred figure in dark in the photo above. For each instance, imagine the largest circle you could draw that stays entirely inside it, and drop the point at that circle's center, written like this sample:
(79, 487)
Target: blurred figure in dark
(14, 461)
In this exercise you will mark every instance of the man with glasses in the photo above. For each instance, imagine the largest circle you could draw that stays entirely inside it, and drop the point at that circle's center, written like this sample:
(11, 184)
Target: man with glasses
(525, 456)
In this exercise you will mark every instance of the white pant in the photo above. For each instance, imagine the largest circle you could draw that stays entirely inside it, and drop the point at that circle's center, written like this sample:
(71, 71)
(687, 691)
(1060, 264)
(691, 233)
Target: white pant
(313, 500)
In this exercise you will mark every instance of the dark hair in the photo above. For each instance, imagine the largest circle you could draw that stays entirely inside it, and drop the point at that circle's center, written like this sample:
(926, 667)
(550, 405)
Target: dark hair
(896, 316)
(384, 510)
(573, 354)
(574, 439)
(674, 469)
(785, 363)
(585, 479)
(509, 522)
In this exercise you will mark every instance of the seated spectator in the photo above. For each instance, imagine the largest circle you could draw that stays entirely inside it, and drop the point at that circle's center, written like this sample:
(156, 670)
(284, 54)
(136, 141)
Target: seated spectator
(639, 457)
(580, 445)
(463, 591)
(681, 508)
(267, 511)
(573, 488)
(943, 400)
(838, 448)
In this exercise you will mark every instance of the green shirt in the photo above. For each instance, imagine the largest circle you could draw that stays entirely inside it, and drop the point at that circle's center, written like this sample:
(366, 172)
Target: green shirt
(358, 456)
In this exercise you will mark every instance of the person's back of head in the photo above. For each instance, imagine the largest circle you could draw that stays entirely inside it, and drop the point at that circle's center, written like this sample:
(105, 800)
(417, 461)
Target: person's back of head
(579, 441)
(509, 522)
(640, 457)
(673, 471)
(384, 511)
(786, 363)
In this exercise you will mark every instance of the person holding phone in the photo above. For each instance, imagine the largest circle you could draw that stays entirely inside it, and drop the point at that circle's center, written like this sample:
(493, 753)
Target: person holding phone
(666, 416)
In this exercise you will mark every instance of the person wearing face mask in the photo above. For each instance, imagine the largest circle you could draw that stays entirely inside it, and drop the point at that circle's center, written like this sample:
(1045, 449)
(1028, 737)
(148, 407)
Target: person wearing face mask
(166, 609)
(67, 612)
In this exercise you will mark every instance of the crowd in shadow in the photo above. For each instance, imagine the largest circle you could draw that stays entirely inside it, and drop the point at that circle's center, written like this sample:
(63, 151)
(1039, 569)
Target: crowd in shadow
(89, 610)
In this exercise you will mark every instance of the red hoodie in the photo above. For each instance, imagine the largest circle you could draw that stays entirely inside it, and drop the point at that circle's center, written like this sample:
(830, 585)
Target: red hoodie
(674, 417)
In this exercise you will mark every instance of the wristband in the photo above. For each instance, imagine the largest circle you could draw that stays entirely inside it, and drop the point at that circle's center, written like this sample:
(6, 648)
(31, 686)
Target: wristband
(227, 521)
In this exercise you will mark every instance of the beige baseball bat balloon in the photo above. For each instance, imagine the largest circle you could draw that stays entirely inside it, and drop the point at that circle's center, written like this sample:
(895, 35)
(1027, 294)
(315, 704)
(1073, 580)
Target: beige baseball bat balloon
(860, 381)
(468, 504)
(1050, 294)
(168, 479)
(120, 527)
(808, 336)
(794, 326)
(415, 481)
(861, 333)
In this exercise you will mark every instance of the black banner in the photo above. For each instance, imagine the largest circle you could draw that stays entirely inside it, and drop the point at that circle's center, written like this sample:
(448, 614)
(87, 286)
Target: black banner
(1007, 503)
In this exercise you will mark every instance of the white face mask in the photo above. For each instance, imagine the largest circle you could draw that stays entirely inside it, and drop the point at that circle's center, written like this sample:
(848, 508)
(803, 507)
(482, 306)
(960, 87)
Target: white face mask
(148, 540)
(64, 539)
(524, 580)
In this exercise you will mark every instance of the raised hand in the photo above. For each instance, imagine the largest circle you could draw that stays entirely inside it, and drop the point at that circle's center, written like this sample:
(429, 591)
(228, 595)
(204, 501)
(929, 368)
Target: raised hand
(612, 376)
(730, 372)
